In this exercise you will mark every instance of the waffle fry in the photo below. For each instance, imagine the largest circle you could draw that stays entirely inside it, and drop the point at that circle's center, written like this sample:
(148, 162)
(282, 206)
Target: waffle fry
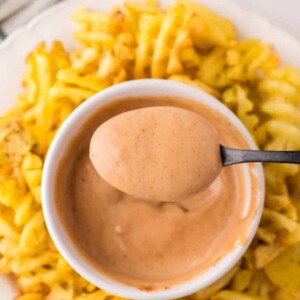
(187, 43)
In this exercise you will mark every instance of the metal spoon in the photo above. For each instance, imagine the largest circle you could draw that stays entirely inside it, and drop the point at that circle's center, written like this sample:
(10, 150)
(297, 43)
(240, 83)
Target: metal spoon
(232, 156)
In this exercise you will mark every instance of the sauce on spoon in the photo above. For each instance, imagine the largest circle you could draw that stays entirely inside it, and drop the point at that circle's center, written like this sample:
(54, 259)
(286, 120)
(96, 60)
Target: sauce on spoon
(157, 153)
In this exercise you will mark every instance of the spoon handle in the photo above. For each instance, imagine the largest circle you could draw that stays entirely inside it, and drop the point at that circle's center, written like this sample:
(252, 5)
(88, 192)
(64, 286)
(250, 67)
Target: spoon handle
(235, 156)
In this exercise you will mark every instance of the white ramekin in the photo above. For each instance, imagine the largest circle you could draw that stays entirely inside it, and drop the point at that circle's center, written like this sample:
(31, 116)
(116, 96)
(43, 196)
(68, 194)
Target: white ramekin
(69, 129)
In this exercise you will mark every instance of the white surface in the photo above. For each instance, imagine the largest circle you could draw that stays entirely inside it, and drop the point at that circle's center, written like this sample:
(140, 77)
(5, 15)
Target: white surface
(9, 7)
(55, 24)
(283, 13)
(25, 15)
(61, 142)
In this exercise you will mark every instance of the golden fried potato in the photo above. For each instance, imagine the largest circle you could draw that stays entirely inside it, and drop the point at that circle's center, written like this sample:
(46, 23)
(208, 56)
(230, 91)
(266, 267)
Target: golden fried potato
(231, 295)
(185, 42)
(284, 271)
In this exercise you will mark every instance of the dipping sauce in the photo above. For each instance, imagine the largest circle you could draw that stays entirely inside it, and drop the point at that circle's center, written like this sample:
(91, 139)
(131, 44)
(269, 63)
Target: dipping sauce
(157, 153)
(140, 243)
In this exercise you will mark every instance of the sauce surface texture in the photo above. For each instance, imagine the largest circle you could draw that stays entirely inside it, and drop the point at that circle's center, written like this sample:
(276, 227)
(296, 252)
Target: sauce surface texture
(145, 245)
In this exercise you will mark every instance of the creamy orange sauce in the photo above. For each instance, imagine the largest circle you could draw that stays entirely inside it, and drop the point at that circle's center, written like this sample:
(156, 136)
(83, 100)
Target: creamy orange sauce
(140, 243)
(157, 153)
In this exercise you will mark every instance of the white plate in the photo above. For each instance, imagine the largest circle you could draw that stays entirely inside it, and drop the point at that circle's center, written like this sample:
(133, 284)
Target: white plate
(54, 24)
(281, 13)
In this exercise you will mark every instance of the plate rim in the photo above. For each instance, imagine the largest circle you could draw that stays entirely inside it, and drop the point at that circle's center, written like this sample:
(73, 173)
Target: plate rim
(12, 40)
(8, 41)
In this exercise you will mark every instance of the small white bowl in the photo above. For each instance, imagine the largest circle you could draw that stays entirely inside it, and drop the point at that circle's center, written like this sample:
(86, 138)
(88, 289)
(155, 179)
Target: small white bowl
(137, 88)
